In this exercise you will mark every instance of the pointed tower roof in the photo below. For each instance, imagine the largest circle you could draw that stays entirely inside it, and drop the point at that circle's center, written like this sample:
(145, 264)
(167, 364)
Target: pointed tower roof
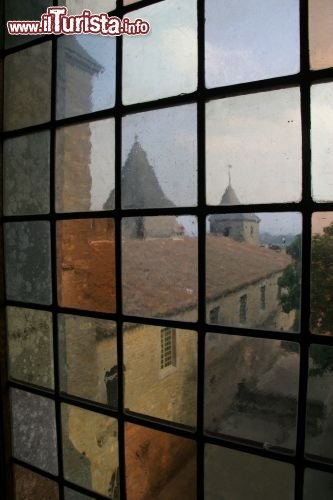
(140, 186)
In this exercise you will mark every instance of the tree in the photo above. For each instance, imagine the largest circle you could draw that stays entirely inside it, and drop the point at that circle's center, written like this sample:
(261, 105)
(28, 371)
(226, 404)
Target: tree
(290, 281)
(322, 282)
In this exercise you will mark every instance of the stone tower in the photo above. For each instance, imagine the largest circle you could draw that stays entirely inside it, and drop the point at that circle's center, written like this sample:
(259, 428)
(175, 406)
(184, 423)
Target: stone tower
(239, 227)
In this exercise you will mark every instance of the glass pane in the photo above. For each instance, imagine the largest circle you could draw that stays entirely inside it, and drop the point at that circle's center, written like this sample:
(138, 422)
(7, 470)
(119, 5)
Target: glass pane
(129, 2)
(319, 421)
(160, 266)
(258, 133)
(232, 475)
(34, 430)
(27, 100)
(320, 33)
(86, 264)
(160, 159)
(318, 484)
(161, 372)
(253, 269)
(97, 6)
(321, 318)
(321, 141)
(164, 63)
(250, 40)
(30, 346)
(27, 174)
(84, 152)
(27, 262)
(87, 63)
(88, 358)
(75, 495)
(251, 390)
(29, 485)
(159, 465)
(15, 10)
(90, 450)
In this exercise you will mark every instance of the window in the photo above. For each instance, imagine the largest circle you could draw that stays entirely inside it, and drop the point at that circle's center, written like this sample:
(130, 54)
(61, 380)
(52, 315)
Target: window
(263, 297)
(168, 347)
(243, 308)
(146, 180)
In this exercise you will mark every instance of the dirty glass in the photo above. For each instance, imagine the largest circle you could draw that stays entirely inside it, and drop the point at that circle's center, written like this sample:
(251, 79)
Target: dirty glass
(27, 262)
(16, 9)
(249, 40)
(233, 475)
(319, 422)
(88, 358)
(159, 158)
(251, 390)
(253, 269)
(164, 63)
(159, 267)
(321, 141)
(86, 264)
(29, 485)
(27, 101)
(30, 346)
(85, 74)
(97, 6)
(85, 152)
(317, 484)
(161, 381)
(26, 171)
(159, 465)
(258, 133)
(34, 430)
(90, 450)
(320, 33)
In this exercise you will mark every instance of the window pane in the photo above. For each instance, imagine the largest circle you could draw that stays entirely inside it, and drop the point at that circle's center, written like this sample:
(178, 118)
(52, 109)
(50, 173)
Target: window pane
(88, 358)
(250, 40)
(254, 269)
(27, 100)
(258, 133)
(319, 422)
(86, 264)
(85, 74)
(251, 390)
(30, 346)
(232, 475)
(161, 372)
(159, 465)
(34, 430)
(160, 267)
(160, 159)
(84, 152)
(129, 2)
(75, 495)
(27, 174)
(320, 33)
(27, 262)
(318, 484)
(15, 10)
(90, 450)
(321, 273)
(29, 485)
(164, 63)
(97, 6)
(321, 141)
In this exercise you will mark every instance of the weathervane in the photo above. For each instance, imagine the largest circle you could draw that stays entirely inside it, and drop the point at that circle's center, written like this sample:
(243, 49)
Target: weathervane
(229, 173)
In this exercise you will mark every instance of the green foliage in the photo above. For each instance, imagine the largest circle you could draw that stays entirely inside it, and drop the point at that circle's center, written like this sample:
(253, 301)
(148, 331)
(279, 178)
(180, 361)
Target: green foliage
(290, 280)
(322, 358)
(322, 282)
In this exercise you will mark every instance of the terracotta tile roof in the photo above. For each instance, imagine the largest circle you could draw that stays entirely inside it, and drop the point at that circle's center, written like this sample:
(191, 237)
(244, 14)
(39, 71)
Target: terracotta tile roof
(160, 275)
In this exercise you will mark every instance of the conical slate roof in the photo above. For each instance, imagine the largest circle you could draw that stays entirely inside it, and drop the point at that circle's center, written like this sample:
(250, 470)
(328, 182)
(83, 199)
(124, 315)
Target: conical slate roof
(229, 197)
(140, 186)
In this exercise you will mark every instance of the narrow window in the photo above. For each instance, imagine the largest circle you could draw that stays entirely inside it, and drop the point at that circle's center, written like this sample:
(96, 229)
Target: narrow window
(168, 347)
(243, 308)
(263, 297)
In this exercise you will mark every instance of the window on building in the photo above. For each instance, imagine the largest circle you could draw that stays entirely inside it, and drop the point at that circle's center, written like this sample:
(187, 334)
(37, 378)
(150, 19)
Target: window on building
(168, 347)
(125, 162)
(243, 308)
(263, 297)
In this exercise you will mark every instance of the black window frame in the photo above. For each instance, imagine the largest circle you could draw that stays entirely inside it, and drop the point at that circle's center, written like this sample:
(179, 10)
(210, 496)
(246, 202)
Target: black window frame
(304, 79)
